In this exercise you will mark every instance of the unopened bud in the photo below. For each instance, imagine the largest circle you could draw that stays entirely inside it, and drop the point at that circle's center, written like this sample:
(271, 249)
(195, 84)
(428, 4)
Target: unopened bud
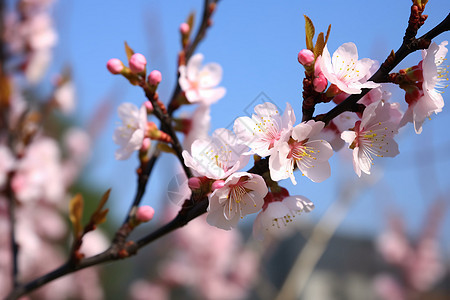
(137, 63)
(145, 213)
(114, 65)
(320, 83)
(149, 107)
(146, 144)
(194, 183)
(184, 28)
(306, 57)
(154, 78)
(218, 184)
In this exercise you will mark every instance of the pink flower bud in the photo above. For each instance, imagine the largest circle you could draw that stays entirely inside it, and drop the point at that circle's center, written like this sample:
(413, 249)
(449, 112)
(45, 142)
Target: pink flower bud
(320, 83)
(146, 144)
(184, 28)
(145, 213)
(154, 78)
(217, 185)
(149, 107)
(194, 183)
(306, 57)
(137, 63)
(114, 65)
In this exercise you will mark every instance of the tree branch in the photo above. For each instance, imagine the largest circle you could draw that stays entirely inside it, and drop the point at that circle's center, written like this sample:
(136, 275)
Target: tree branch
(408, 46)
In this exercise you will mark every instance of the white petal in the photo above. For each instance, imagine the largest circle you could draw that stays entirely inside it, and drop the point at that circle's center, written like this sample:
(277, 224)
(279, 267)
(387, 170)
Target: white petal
(348, 136)
(210, 76)
(193, 67)
(318, 173)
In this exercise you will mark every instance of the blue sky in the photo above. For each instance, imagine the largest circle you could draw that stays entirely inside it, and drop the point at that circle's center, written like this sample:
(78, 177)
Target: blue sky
(256, 42)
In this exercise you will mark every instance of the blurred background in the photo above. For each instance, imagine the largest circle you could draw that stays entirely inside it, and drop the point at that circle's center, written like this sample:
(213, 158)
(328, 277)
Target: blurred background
(383, 236)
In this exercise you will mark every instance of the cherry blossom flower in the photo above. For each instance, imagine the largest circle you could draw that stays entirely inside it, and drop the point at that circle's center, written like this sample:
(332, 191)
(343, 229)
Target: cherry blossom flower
(242, 194)
(266, 129)
(197, 126)
(131, 134)
(372, 136)
(309, 154)
(39, 174)
(434, 77)
(199, 84)
(345, 70)
(276, 216)
(218, 156)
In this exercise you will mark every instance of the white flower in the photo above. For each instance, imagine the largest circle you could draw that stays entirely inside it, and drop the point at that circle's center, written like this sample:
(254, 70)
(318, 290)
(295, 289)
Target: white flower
(199, 125)
(242, 194)
(434, 77)
(275, 218)
(373, 136)
(345, 70)
(218, 156)
(266, 129)
(130, 135)
(310, 155)
(199, 84)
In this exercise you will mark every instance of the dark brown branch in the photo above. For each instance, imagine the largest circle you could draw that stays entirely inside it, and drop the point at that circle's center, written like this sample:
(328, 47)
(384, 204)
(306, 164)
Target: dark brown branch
(381, 75)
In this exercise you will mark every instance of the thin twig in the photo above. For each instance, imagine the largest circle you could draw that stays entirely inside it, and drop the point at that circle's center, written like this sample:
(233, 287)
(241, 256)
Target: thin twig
(408, 46)
(201, 32)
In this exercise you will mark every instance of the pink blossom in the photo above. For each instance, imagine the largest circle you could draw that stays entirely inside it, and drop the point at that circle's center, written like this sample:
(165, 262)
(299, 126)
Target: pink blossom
(306, 57)
(434, 78)
(309, 154)
(184, 28)
(131, 134)
(114, 65)
(320, 82)
(218, 156)
(137, 63)
(143, 290)
(266, 129)
(345, 70)
(39, 173)
(154, 78)
(200, 83)
(197, 126)
(372, 136)
(276, 217)
(242, 194)
(145, 213)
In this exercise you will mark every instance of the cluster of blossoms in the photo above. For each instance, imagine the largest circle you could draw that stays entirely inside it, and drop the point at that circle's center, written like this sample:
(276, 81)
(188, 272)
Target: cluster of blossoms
(207, 262)
(217, 161)
(29, 33)
(420, 264)
(39, 175)
(37, 168)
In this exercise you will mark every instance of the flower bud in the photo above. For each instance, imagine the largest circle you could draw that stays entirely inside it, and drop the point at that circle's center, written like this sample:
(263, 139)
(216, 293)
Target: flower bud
(306, 57)
(184, 28)
(146, 144)
(145, 213)
(114, 65)
(218, 184)
(149, 107)
(154, 78)
(194, 183)
(320, 83)
(137, 63)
